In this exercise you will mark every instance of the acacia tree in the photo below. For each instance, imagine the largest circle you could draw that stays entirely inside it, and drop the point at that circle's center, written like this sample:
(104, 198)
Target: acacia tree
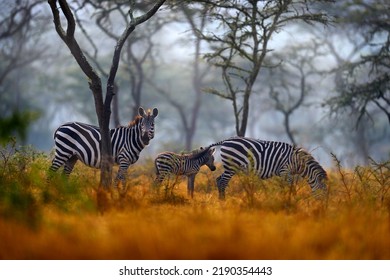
(190, 119)
(102, 106)
(359, 46)
(135, 52)
(15, 31)
(17, 21)
(93, 55)
(196, 18)
(239, 50)
(365, 82)
(289, 82)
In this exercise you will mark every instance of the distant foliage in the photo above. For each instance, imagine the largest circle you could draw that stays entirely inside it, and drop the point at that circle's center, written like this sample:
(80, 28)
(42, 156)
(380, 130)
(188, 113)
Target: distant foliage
(16, 125)
(365, 83)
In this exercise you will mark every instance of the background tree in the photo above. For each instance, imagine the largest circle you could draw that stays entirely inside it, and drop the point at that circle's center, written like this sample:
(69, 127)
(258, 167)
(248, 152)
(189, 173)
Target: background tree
(169, 64)
(240, 49)
(189, 108)
(365, 81)
(103, 108)
(291, 81)
(17, 24)
(138, 52)
(356, 107)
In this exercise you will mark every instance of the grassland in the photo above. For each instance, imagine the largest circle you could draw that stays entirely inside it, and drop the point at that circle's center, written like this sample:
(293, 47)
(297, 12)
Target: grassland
(258, 219)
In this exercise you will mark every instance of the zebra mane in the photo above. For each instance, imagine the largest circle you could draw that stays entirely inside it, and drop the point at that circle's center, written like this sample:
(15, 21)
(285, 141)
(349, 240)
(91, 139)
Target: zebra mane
(135, 122)
(195, 154)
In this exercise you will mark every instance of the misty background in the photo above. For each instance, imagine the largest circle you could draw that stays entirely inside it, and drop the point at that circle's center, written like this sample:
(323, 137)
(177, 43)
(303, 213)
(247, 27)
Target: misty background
(306, 93)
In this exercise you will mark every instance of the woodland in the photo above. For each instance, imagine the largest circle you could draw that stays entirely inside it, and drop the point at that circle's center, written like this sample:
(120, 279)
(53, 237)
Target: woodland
(311, 73)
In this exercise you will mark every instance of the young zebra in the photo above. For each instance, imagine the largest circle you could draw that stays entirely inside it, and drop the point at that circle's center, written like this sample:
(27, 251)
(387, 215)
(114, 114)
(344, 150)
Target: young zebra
(184, 164)
(266, 159)
(78, 141)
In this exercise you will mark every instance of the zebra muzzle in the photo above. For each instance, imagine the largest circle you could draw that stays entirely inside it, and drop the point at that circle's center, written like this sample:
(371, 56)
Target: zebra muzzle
(145, 138)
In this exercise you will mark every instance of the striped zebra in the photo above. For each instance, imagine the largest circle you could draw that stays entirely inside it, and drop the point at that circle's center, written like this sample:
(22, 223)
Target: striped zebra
(78, 141)
(267, 159)
(184, 164)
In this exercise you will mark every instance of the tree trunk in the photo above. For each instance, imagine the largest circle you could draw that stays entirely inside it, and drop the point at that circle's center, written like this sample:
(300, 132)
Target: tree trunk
(106, 153)
(288, 129)
(197, 85)
(115, 107)
(95, 85)
(103, 109)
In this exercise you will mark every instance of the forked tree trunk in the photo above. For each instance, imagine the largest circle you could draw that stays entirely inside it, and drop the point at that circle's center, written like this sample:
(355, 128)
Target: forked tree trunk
(106, 152)
(103, 109)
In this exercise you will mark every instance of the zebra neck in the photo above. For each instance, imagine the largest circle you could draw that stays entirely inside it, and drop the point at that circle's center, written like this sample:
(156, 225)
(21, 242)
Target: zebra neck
(298, 163)
(305, 165)
(200, 161)
(140, 139)
(128, 137)
(190, 165)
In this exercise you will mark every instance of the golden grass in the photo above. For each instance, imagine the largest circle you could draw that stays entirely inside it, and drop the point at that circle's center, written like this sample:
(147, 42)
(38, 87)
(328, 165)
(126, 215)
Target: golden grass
(270, 222)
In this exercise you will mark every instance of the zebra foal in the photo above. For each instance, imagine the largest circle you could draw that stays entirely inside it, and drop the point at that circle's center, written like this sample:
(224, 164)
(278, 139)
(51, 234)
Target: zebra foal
(78, 141)
(267, 159)
(167, 163)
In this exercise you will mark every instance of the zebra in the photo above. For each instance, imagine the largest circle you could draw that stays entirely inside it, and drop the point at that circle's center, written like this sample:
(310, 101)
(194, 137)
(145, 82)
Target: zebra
(78, 141)
(167, 163)
(267, 159)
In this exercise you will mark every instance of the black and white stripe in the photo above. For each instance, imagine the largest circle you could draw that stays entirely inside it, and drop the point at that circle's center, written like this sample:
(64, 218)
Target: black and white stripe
(77, 141)
(168, 163)
(267, 159)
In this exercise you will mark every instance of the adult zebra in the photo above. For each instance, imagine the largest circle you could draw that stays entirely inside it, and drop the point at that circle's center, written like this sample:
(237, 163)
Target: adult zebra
(184, 164)
(78, 141)
(266, 159)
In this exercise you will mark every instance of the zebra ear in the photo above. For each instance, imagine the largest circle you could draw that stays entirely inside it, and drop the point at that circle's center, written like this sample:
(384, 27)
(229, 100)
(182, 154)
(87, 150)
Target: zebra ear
(155, 112)
(212, 151)
(141, 112)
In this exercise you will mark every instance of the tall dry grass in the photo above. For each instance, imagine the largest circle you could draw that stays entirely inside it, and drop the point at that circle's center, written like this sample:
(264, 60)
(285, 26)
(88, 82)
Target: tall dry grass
(258, 220)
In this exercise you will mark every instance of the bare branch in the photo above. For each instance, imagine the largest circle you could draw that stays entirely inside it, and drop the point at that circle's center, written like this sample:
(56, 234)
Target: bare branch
(243, 43)
(217, 93)
(130, 28)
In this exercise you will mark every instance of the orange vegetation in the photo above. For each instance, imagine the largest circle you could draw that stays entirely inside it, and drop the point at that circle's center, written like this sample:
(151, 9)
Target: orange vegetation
(258, 219)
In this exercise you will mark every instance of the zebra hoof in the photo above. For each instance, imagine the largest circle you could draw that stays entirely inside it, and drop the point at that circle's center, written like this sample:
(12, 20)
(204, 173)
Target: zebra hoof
(123, 191)
(221, 196)
(115, 194)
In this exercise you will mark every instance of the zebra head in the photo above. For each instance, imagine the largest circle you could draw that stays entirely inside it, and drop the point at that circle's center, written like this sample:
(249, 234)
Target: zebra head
(147, 124)
(304, 164)
(208, 157)
(316, 175)
(316, 180)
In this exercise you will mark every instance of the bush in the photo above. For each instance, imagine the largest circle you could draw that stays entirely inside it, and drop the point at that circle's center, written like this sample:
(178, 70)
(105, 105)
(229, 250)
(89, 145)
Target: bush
(25, 192)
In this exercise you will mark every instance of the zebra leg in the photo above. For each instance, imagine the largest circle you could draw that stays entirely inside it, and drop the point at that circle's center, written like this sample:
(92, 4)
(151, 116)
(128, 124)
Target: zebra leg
(53, 168)
(120, 177)
(289, 178)
(56, 163)
(190, 185)
(222, 182)
(69, 165)
(159, 178)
